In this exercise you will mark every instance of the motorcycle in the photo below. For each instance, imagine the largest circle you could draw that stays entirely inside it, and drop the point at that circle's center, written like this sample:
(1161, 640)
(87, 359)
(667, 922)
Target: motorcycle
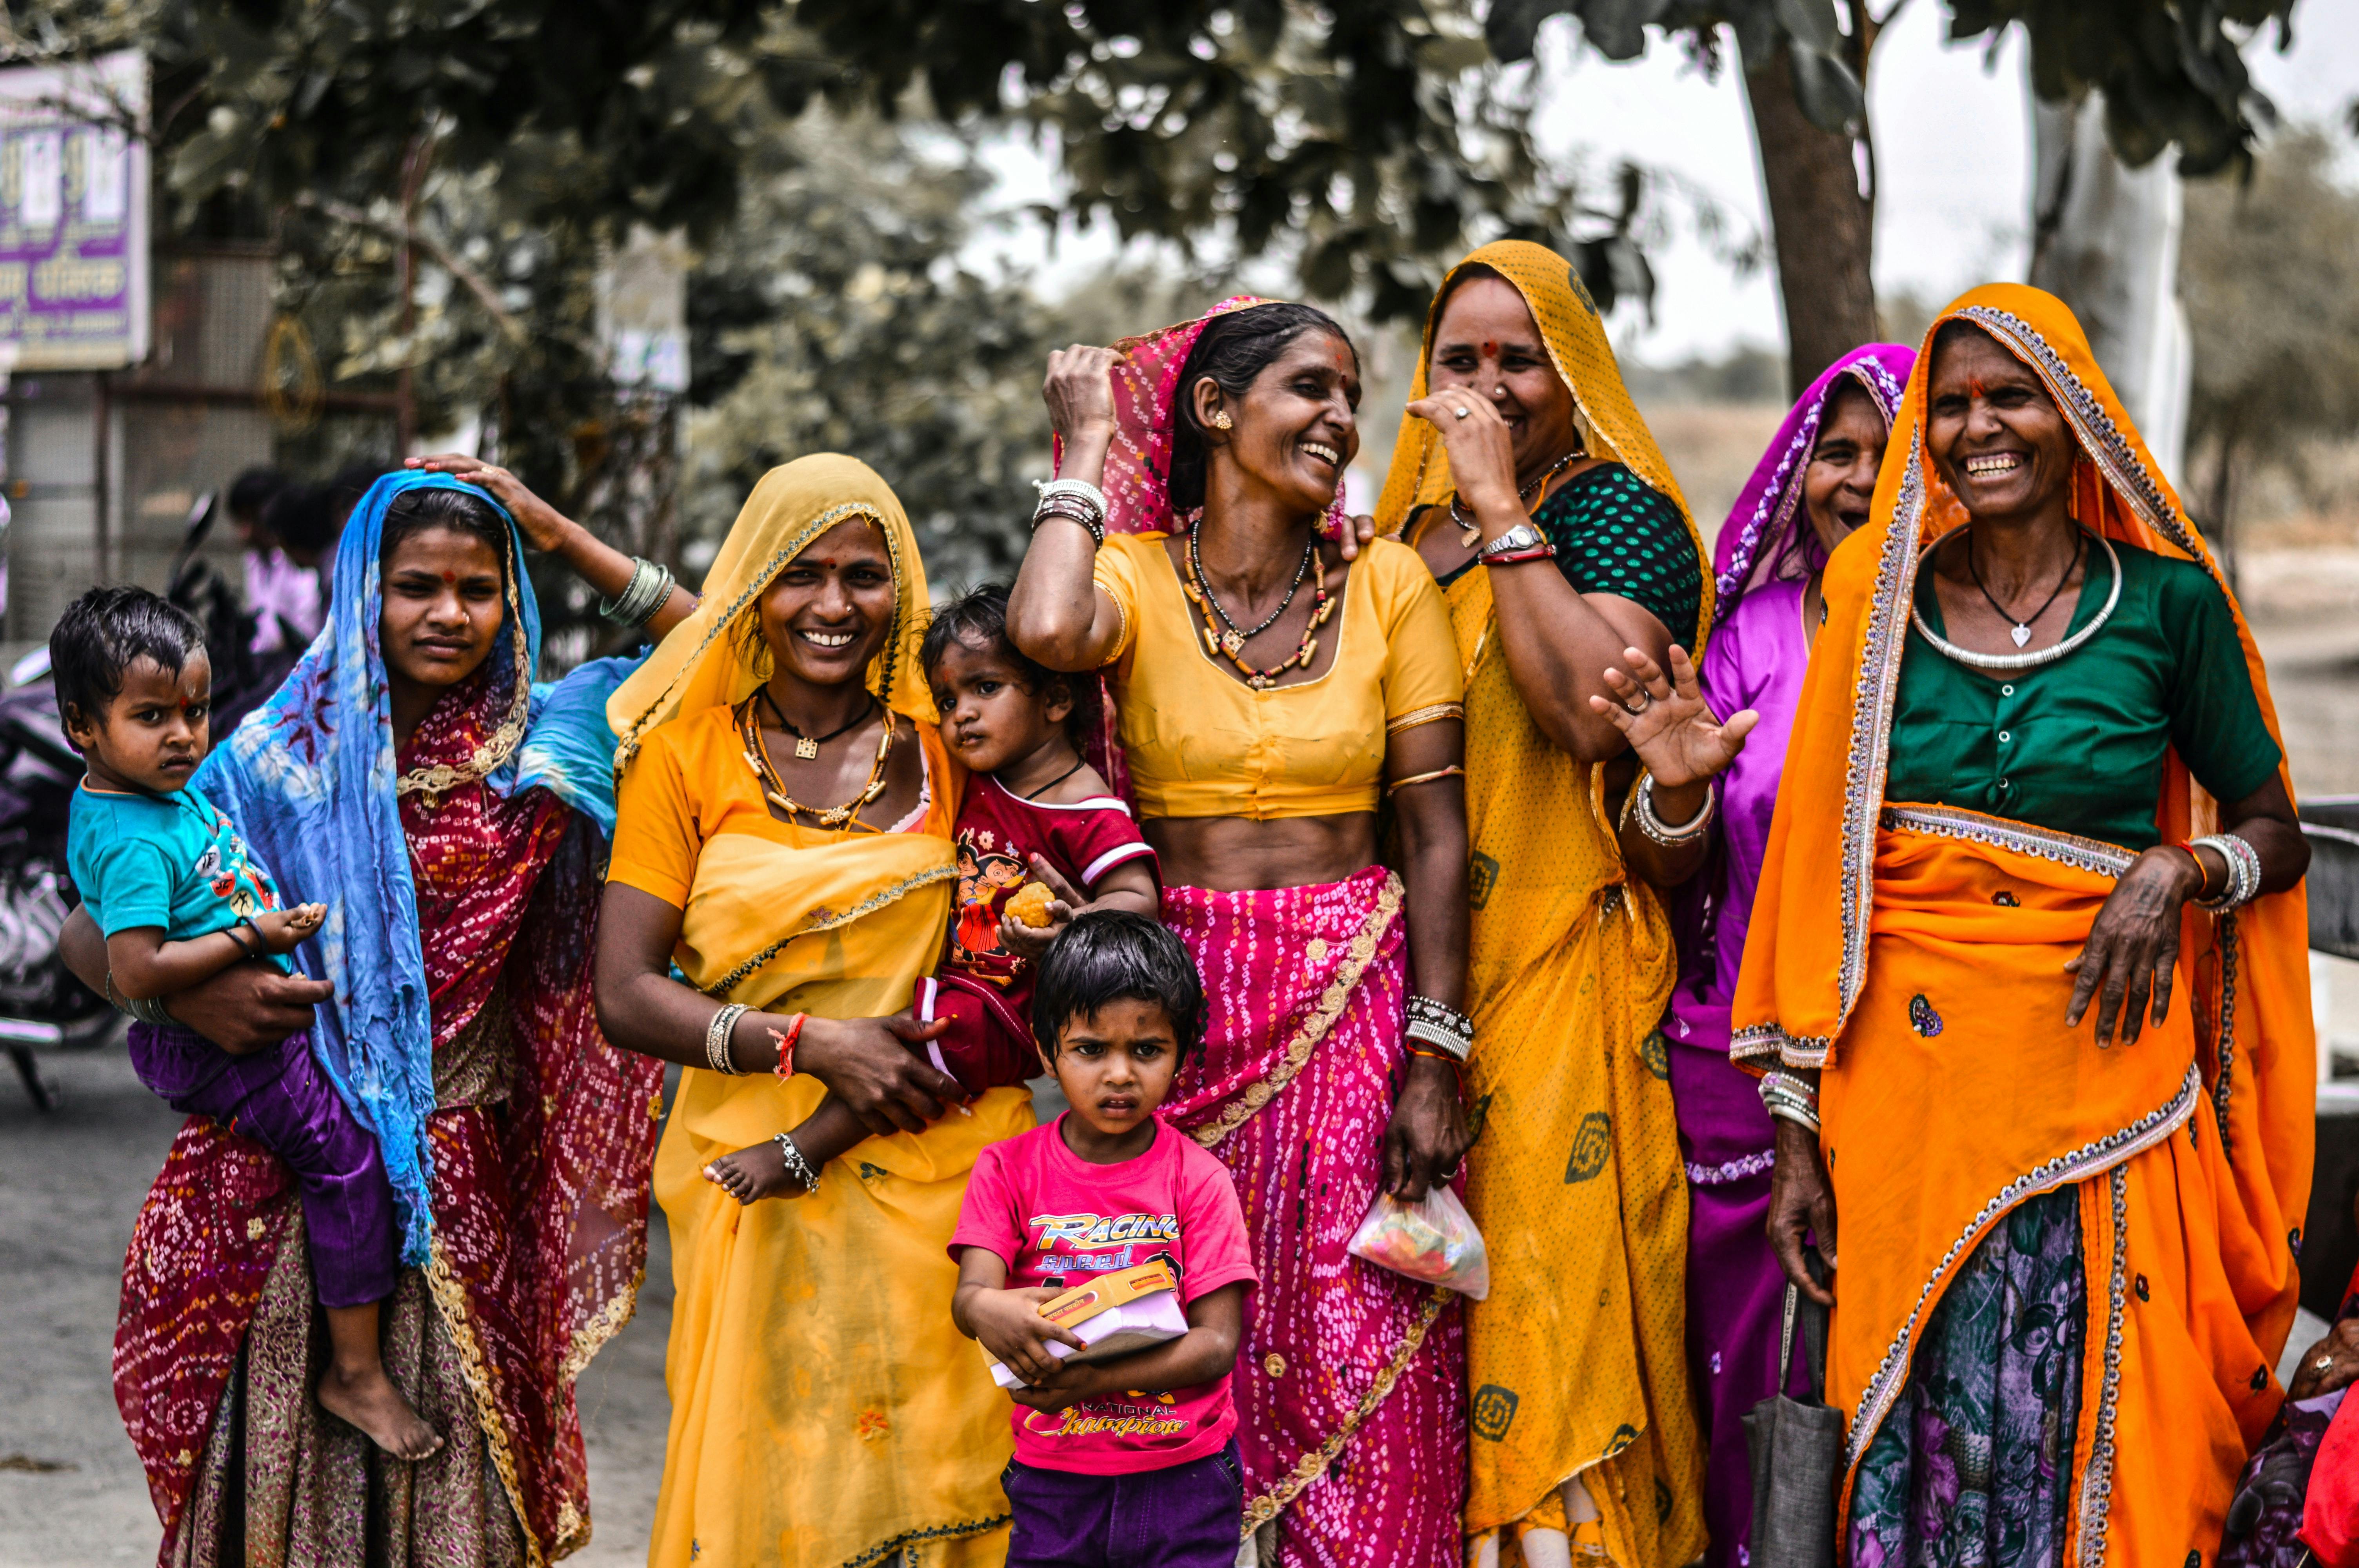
(43, 1008)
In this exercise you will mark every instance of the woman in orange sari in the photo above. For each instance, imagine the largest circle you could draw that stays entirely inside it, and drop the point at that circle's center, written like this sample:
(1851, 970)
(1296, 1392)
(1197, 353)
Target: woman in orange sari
(2029, 971)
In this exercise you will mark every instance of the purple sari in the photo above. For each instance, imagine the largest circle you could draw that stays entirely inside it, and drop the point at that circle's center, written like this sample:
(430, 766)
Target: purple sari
(1755, 659)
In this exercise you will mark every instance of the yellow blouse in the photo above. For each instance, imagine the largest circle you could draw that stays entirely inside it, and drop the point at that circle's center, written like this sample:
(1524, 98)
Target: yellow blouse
(1202, 744)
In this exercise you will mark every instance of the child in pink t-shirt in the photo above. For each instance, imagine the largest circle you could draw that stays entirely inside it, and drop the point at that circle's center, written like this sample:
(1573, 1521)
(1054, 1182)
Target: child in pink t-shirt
(1130, 1460)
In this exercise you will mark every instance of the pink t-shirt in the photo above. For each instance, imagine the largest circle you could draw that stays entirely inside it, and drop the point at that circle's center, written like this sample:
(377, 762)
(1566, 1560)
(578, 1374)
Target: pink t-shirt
(1056, 1219)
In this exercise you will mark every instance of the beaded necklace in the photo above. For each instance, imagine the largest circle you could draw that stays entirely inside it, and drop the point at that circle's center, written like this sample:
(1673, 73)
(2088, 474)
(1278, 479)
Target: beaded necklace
(829, 817)
(1231, 645)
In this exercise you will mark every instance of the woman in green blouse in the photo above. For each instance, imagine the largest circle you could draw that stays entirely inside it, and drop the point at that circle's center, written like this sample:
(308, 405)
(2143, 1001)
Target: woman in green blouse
(2027, 973)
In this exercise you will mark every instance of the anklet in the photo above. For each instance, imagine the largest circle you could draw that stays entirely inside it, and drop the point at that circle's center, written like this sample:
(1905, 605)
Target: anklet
(797, 1166)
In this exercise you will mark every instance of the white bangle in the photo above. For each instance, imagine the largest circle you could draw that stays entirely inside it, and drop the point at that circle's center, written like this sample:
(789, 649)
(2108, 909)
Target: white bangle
(2243, 864)
(1662, 832)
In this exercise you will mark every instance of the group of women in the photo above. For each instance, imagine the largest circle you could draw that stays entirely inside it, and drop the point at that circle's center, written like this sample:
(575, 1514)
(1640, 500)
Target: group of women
(1971, 833)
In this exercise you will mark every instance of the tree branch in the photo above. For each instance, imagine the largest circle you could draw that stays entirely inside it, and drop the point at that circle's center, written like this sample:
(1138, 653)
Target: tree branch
(345, 213)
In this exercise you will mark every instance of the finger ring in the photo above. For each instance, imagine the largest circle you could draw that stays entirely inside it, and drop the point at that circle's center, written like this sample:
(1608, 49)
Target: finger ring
(1645, 700)
(2323, 1364)
(1461, 412)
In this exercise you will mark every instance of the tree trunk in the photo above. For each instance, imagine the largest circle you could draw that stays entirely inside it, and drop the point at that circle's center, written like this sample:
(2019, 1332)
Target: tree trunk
(1824, 228)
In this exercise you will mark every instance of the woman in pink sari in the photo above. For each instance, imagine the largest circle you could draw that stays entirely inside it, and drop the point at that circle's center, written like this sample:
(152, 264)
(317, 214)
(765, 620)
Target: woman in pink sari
(1811, 488)
(1270, 693)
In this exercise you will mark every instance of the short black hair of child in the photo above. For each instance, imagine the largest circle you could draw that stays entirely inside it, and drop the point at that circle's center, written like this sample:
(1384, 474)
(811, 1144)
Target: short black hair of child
(978, 620)
(101, 633)
(1113, 955)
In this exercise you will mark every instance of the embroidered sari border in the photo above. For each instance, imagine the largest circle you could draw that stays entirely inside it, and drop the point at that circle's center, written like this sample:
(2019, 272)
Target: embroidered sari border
(2097, 1481)
(866, 907)
(2078, 1166)
(2004, 833)
(1360, 954)
(450, 1302)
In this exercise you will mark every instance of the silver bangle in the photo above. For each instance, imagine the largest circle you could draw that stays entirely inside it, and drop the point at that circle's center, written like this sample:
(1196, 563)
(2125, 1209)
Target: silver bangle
(1662, 832)
(649, 587)
(1785, 1111)
(147, 1010)
(1457, 1048)
(797, 1166)
(1079, 489)
(2244, 872)
(1072, 510)
(716, 1038)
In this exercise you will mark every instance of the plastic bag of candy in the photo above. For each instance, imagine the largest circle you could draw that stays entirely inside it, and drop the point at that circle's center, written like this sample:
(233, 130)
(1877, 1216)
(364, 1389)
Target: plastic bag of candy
(1433, 1239)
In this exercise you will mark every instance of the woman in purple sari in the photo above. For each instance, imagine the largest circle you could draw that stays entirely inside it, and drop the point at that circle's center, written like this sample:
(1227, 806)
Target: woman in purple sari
(1811, 488)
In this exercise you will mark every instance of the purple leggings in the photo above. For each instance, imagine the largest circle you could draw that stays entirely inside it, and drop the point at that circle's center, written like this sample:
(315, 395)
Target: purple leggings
(280, 1098)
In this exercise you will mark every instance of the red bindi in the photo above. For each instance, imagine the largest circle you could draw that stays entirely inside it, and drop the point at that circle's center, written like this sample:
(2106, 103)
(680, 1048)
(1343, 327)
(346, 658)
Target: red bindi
(450, 579)
(1974, 386)
(1490, 350)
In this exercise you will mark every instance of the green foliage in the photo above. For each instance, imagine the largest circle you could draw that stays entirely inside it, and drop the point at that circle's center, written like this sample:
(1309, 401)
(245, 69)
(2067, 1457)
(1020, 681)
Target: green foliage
(2269, 270)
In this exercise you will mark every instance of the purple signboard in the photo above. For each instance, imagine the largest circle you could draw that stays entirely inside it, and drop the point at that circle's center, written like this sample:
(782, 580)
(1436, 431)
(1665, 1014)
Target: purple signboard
(73, 215)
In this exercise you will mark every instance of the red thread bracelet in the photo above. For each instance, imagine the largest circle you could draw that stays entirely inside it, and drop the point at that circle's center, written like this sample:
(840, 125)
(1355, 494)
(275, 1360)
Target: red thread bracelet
(2203, 872)
(787, 1042)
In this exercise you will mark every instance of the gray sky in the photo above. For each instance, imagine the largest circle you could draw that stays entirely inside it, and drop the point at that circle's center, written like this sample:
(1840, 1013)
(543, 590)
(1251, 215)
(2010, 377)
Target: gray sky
(1953, 145)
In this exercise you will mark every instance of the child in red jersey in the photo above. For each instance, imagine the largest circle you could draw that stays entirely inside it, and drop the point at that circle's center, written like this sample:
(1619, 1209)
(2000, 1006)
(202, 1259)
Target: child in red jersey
(1131, 1460)
(1034, 811)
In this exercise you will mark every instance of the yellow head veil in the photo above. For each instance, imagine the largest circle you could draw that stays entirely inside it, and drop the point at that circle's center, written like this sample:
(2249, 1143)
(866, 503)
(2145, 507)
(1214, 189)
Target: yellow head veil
(703, 663)
(1570, 325)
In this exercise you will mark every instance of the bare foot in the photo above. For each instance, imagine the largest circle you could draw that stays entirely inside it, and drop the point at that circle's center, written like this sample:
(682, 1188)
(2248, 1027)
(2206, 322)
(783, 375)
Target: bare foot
(759, 1172)
(370, 1401)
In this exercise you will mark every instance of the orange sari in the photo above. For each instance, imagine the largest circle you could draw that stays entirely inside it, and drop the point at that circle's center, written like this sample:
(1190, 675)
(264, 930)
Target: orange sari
(2190, 1149)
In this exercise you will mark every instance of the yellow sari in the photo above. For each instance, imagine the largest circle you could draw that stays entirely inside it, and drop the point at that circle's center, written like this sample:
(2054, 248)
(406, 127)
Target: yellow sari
(825, 1413)
(1576, 1364)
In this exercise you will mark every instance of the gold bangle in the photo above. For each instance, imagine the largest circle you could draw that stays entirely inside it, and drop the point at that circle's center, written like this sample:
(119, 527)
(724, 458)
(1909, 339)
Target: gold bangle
(1426, 715)
(1453, 770)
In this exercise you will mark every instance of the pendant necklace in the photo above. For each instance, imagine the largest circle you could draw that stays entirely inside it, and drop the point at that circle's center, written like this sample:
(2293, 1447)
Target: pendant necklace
(1470, 530)
(830, 817)
(1234, 639)
(807, 746)
(1231, 643)
(2022, 629)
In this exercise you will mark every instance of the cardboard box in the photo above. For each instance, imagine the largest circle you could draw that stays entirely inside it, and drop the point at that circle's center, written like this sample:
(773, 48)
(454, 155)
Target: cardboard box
(1113, 1314)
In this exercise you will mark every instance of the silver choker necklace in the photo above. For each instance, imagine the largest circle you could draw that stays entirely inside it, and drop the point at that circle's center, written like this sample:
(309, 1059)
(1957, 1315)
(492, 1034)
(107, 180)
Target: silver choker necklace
(2031, 661)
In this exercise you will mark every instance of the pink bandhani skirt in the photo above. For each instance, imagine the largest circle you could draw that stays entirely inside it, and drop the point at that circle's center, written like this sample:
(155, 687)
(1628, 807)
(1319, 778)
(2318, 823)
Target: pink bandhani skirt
(1350, 1386)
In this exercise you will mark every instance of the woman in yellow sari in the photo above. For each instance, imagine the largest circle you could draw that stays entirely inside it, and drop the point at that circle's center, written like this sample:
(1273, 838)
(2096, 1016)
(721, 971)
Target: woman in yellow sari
(1584, 1436)
(2067, 1238)
(825, 1413)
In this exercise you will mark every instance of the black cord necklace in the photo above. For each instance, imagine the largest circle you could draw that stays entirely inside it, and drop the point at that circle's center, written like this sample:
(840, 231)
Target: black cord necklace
(806, 746)
(2022, 631)
(1052, 784)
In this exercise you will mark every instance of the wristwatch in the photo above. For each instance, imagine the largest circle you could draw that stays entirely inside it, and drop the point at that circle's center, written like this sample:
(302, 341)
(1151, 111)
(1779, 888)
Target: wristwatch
(1522, 537)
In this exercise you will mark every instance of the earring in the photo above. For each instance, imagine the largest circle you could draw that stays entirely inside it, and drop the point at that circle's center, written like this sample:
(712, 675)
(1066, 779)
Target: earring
(1221, 421)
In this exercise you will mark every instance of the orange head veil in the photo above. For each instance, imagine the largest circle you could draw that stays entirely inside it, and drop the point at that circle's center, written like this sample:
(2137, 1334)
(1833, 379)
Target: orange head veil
(1806, 956)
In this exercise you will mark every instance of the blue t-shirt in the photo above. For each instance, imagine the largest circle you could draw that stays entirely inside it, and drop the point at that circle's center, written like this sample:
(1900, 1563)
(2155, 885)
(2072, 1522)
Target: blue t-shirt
(171, 860)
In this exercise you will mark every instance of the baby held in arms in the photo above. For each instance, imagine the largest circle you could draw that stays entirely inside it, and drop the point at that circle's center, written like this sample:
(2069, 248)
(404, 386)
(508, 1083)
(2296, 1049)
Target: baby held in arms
(1040, 839)
(1138, 1447)
(180, 899)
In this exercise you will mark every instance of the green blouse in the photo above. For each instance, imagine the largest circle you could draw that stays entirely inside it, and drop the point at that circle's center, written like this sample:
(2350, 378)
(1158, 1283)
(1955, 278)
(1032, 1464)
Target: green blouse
(1616, 534)
(2077, 746)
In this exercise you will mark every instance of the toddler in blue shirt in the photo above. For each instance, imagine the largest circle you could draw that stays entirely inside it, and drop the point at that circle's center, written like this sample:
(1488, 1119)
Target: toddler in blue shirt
(180, 899)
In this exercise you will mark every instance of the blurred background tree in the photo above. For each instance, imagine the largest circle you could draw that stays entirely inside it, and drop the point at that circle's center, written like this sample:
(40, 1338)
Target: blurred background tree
(2270, 270)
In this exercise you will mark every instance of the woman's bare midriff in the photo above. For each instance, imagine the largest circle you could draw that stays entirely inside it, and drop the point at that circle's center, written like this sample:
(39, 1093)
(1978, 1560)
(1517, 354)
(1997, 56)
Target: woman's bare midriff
(1237, 854)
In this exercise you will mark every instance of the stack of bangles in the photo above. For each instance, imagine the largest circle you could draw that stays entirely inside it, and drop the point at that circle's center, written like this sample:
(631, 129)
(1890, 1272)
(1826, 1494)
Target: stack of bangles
(147, 1010)
(1663, 833)
(1075, 499)
(1451, 772)
(716, 1039)
(1440, 1031)
(1786, 1095)
(2244, 872)
(649, 587)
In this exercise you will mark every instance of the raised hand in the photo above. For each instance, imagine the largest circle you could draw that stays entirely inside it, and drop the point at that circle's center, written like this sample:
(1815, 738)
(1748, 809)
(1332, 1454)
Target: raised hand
(1481, 455)
(1078, 392)
(1667, 721)
(543, 526)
